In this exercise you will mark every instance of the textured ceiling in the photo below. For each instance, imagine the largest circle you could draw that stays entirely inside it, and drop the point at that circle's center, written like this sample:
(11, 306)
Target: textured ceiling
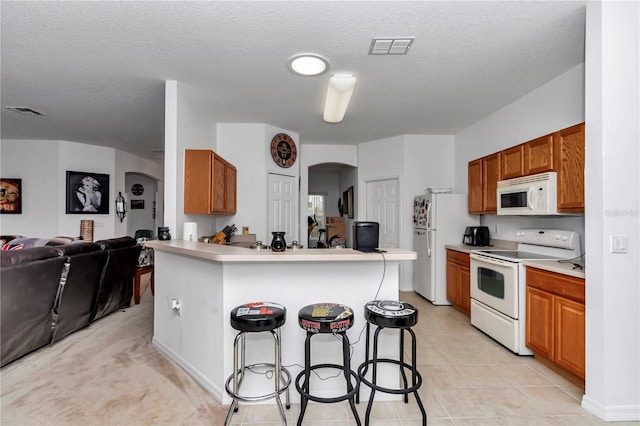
(97, 69)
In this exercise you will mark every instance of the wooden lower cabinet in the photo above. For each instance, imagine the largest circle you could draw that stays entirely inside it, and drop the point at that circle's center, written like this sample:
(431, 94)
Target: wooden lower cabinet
(569, 335)
(555, 327)
(458, 280)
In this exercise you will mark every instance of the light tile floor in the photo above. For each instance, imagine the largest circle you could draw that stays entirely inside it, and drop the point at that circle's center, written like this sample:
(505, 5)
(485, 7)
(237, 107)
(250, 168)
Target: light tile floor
(469, 379)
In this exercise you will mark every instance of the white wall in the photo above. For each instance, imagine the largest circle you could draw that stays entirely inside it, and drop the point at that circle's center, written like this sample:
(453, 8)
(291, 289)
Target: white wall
(553, 106)
(42, 166)
(42, 198)
(418, 162)
(186, 127)
(612, 208)
(248, 146)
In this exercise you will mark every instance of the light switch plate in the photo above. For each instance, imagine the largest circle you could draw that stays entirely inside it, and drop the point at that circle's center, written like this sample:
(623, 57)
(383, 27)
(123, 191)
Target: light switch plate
(619, 244)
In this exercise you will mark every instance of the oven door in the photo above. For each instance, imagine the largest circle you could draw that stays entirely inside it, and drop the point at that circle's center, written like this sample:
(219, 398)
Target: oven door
(494, 282)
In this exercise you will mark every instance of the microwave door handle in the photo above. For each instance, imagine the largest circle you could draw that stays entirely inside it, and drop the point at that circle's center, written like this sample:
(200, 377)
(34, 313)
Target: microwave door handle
(530, 197)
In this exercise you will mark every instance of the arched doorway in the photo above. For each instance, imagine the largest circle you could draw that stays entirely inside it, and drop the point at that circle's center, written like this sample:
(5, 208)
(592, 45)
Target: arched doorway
(141, 194)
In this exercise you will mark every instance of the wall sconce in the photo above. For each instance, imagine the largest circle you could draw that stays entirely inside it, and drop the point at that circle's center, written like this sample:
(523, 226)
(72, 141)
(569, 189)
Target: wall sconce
(121, 206)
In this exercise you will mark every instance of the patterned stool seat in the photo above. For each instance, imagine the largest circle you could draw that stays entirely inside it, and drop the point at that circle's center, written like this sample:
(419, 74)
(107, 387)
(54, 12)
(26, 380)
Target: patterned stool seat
(390, 314)
(325, 318)
(258, 316)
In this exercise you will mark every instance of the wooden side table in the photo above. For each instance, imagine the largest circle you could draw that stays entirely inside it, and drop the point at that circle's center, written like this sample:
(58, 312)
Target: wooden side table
(140, 271)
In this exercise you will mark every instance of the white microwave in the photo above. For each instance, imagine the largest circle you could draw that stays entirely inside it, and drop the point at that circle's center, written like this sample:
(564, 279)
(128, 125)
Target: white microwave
(529, 195)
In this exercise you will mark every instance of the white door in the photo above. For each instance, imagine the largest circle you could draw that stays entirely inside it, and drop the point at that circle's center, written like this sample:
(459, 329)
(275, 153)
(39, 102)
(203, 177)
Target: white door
(283, 199)
(382, 207)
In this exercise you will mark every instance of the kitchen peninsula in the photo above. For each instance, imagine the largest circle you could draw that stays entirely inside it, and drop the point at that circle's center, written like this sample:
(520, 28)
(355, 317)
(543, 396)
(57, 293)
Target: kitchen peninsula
(198, 284)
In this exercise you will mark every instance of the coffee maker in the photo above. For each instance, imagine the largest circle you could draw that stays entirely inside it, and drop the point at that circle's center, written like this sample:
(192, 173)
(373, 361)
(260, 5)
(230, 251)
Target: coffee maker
(476, 236)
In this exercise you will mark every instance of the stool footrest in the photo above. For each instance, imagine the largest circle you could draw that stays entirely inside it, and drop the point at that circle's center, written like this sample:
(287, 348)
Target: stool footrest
(284, 373)
(339, 398)
(365, 365)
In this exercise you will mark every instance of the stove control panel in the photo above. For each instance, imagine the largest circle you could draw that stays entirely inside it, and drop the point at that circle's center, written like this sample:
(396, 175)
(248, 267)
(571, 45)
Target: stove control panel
(549, 237)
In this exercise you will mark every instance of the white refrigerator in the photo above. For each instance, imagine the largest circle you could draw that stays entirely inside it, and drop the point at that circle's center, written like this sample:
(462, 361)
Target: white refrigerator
(438, 220)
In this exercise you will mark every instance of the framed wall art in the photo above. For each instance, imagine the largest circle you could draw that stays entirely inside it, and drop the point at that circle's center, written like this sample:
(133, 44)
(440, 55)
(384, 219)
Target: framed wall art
(87, 193)
(137, 204)
(10, 196)
(347, 202)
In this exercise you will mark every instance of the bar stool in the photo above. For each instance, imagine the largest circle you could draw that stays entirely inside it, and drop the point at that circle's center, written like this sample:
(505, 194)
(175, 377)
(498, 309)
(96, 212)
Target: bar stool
(255, 318)
(326, 318)
(398, 315)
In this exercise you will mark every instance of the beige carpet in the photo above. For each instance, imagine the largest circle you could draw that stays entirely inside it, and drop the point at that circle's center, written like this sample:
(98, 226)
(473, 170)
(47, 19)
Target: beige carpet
(107, 374)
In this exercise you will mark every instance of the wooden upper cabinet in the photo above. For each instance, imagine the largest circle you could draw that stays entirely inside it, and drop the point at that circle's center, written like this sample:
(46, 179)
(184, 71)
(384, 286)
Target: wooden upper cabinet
(209, 183)
(475, 186)
(538, 155)
(562, 152)
(569, 164)
(512, 162)
(483, 177)
(490, 177)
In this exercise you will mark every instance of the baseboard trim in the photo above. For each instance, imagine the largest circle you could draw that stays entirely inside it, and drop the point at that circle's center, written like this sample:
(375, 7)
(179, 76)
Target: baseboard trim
(207, 384)
(616, 413)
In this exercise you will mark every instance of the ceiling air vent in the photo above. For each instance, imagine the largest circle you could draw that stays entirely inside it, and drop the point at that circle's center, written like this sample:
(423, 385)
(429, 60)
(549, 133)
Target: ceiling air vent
(390, 45)
(24, 110)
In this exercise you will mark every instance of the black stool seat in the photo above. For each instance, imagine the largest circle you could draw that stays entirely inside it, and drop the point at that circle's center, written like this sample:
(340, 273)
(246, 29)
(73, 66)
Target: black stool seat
(258, 316)
(249, 318)
(390, 314)
(325, 318)
(401, 316)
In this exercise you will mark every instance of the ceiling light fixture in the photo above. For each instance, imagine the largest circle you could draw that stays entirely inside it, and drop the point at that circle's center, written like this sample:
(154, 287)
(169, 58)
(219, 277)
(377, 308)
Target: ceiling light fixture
(338, 96)
(308, 64)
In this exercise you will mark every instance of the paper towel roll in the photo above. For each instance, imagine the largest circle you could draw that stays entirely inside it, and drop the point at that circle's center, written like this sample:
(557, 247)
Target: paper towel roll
(190, 231)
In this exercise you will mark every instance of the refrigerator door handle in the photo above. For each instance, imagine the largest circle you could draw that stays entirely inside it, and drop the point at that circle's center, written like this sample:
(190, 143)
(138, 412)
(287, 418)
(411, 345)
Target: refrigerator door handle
(428, 214)
(428, 243)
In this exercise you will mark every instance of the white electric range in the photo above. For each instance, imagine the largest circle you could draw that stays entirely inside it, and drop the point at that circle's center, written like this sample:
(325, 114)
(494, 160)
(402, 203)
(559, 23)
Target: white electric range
(498, 282)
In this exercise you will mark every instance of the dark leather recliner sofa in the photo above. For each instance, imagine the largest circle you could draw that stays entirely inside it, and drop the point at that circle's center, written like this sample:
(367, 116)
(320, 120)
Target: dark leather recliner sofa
(47, 293)
(78, 288)
(29, 284)
(116, 288)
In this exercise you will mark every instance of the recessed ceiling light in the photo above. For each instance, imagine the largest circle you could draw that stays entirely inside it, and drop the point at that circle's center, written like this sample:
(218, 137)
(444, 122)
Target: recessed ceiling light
(308, 64)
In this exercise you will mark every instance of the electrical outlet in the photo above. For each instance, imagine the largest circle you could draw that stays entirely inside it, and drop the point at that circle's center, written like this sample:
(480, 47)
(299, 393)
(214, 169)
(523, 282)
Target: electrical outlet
(619, 244)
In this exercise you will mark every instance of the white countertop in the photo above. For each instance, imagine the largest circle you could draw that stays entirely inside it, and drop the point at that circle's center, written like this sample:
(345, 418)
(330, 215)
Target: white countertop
(226, 253)
(495, 245)
(547, 265)
(566, 268)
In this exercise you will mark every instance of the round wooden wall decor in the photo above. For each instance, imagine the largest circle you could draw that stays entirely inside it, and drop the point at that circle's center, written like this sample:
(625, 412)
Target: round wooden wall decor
(283, 150)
